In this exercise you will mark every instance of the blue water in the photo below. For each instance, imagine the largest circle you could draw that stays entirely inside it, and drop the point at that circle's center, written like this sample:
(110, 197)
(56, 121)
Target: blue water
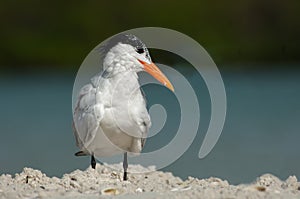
(261, 133)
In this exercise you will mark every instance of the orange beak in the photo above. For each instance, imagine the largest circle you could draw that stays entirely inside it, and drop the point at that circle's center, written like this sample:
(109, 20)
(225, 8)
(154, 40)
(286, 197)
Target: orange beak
(153, 70)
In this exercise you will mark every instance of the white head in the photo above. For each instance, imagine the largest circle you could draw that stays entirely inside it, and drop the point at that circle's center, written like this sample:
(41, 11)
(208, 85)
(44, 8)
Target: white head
(128, 53)
(124, 57)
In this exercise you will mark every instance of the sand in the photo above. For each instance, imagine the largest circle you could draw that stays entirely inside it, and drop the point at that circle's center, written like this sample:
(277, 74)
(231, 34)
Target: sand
(106, 182)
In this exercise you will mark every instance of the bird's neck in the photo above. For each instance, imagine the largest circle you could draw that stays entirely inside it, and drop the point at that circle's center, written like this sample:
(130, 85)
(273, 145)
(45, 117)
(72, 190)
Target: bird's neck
(124, 87)
(126, 80)
(119, 85)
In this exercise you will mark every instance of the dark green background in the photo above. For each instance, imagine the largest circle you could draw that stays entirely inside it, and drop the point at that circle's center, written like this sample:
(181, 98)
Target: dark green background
(59, 34)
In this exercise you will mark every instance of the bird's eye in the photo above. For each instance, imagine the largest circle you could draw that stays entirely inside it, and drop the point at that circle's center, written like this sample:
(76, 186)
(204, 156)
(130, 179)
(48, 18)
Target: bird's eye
(140, 50)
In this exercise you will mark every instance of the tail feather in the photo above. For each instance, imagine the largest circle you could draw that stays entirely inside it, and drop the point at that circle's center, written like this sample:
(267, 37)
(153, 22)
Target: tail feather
(81, 153)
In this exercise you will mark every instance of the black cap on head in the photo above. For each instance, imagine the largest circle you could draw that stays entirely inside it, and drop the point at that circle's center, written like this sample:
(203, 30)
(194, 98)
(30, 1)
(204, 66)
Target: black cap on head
(125, 39)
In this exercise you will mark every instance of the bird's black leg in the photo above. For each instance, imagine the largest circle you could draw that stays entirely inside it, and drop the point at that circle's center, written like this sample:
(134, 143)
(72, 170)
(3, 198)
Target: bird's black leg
(125, 166)
(93, 162)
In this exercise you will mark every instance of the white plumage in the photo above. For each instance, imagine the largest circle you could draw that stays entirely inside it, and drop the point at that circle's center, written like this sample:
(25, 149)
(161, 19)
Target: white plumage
(110, 116)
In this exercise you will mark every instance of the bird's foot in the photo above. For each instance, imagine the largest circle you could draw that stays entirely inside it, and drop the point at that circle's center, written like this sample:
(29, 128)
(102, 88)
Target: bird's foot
(93, 162)
(125, 178)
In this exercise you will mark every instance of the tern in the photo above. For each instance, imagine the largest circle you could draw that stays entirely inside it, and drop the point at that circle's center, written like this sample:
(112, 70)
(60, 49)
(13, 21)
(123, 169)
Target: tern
(110, 116)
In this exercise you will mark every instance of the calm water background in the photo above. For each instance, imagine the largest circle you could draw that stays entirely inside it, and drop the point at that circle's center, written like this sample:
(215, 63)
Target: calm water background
(261, 133)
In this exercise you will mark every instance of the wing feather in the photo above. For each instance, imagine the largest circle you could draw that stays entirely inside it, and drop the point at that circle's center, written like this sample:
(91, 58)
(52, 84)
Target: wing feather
(87, 116)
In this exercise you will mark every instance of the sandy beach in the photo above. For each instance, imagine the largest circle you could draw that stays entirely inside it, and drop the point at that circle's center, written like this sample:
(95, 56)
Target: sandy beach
(106, 182)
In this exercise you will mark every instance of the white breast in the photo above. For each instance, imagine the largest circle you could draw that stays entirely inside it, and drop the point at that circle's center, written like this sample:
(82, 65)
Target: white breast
(111, 116)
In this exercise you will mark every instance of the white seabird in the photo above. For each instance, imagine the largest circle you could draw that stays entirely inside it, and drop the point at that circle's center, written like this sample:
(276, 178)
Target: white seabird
(110, 116)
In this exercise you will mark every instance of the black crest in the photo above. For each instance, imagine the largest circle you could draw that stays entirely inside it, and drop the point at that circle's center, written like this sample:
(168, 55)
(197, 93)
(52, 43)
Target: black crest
(130, 39)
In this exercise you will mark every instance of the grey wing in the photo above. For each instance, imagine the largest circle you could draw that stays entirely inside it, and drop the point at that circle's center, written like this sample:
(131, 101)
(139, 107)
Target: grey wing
(86, 117)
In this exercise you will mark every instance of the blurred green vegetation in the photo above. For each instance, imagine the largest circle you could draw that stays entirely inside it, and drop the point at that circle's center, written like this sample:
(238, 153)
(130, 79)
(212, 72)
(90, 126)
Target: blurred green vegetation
(61, 33)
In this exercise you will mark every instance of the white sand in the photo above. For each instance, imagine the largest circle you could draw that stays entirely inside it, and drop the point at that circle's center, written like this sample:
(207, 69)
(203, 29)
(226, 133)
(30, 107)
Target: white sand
(106, 182)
